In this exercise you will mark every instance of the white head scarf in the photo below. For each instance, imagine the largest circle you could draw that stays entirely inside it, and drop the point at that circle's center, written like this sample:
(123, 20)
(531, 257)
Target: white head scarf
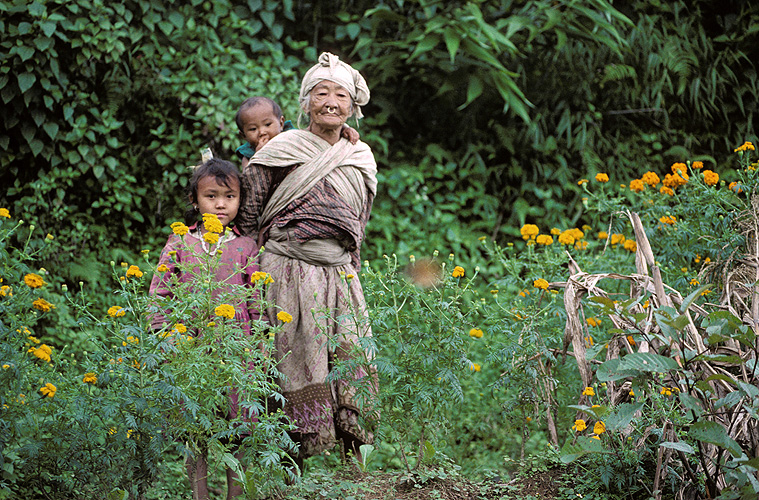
(331, 68)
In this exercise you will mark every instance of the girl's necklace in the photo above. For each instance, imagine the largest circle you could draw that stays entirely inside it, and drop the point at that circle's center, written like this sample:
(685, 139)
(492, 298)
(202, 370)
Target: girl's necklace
(227, 236)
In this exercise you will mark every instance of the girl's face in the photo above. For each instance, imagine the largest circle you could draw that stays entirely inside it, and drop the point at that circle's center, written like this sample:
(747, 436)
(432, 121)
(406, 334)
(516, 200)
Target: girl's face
(218, 199)
(259, 124)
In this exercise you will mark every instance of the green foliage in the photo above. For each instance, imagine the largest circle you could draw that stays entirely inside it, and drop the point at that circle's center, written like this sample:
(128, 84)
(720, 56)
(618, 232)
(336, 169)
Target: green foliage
(98, 419)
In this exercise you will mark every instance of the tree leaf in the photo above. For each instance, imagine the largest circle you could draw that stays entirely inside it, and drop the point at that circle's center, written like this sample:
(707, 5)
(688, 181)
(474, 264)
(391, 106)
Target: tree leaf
(25, 81)
(714, 433)
(679, 446)
(51, 128)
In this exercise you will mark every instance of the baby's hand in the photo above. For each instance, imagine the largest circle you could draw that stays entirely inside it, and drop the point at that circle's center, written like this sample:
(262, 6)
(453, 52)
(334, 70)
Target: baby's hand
(350, 133)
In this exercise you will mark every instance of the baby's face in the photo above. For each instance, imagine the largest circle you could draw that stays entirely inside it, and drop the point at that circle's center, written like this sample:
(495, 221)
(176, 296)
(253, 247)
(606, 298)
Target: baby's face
(259, 124)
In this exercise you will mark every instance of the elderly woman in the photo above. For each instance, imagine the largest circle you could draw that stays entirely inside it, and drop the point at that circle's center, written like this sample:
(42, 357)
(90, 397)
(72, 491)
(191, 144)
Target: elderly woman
(309, 196)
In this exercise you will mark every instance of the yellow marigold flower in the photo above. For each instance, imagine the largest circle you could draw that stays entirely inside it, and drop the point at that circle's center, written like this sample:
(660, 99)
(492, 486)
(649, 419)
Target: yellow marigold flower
(637, 185)
(697, 165)
(475, 333)
(6, 291)
(529, 231)
(475, 367)
(694, 282)
(577, 233)
(599, 428)
(48, 390)
(711, 178)
(567, 237)
(112, 431)
(580, 425)
(540, 283)
(212, 223)
(284, 317)
(617, 238)
(524, 293)
(665, 391)
(179, 328)
(746, 146)
(260, 275)
(631, 245)
(32, 338)
(650, 178)
(225, 311)
(668, 219)
(667, 190)
(555, 231)
(211, 238)
(601, 177)
(593, 321)
(581, 245)
(179, 228)
(5, 213)
(43, 352)
(544, 239)
(116, 311)
(588, 391)
(6, 366)
(43, 305)
(602, 235)
(133, 272)
(458, 272)
(90, 378)
(162, 268)
(34, 280)
(582, 181)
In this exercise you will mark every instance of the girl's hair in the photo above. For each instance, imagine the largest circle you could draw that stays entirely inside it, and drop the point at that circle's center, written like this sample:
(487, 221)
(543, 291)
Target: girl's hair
(222, 170)
(254, 101)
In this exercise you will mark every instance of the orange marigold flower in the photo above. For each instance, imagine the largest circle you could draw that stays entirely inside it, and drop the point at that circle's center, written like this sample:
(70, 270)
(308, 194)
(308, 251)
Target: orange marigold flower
(631, 245)
(667, 219)
(733, 186)
(711, 178)
(667, 190)
(746, 146)
(529, 231)
(697, 165)
(617, 238)
(650, 178)
(637, 185)
(134, 271)
(458, 272)
(601, 177)
(567, 237)
(602, 235)
(593, 321)
(48, 390)
(90, 378)
(585, 181)
(679, 168)
(540, 283)
(34, 280)
(42, 305)
(284, 317)
(555, 231)
(581, 245)
(544, 239)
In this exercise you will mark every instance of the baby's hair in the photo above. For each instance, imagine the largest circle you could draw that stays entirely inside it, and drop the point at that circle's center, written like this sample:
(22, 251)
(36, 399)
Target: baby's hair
(253, 101)
(222, 170)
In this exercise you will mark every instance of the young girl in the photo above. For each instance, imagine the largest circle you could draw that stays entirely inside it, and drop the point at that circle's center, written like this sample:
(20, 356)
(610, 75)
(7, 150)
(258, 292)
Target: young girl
(215, 189)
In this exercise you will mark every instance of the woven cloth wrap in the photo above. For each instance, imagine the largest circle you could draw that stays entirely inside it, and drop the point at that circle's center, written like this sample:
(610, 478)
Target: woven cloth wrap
(331, 68)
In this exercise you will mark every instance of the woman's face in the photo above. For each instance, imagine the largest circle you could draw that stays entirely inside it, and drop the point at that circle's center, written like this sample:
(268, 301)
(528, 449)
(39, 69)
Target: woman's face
(330, 105)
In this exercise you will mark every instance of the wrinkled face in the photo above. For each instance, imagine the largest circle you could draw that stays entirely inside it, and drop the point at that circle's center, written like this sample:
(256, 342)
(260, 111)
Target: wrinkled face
(215, 198)
(260, 124)
(330, 105)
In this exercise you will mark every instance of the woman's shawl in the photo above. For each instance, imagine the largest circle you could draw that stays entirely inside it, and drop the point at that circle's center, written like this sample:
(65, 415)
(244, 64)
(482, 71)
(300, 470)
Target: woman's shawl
(348, 168)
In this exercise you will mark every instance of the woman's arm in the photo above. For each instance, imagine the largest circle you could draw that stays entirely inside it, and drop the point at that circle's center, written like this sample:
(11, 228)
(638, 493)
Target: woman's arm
(256, 183)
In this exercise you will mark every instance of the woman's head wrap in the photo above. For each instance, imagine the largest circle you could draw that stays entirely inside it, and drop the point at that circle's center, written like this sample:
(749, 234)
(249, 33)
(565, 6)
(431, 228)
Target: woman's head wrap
(331, 68)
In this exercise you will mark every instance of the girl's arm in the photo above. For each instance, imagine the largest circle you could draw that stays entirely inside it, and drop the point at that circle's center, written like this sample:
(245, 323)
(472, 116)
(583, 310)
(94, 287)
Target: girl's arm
(160, 284)
(350, 133)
